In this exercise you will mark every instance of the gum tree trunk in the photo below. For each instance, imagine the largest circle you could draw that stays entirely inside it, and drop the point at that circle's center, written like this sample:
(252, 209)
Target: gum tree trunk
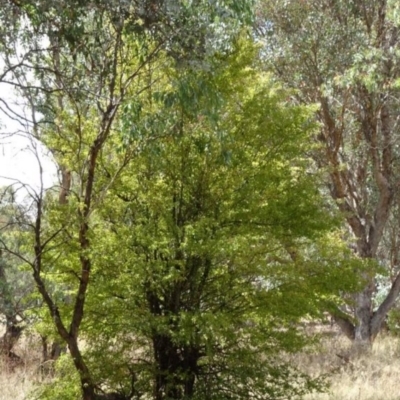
(358, 120)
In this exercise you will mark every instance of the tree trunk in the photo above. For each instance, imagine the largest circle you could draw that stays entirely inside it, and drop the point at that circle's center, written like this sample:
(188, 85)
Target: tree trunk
(358, 124)
(363, 337)
(11, 336)
(368, 322)
(176, 369)
(49, 355)
(87, 386)
(13, 329)
(176, 365)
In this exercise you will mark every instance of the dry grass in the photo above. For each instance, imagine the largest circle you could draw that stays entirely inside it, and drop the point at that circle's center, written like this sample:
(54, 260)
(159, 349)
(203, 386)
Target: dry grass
(15, 384)
(17, 379)
(372, 376)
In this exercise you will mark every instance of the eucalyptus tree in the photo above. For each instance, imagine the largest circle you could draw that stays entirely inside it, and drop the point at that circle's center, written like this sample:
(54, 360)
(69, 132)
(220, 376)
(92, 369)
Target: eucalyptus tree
(344, 57)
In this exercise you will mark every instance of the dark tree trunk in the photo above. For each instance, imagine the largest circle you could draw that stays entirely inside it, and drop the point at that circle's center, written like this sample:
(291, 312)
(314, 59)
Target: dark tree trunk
(167, 363)
(176, 364)
(87, 385)
(177, 368)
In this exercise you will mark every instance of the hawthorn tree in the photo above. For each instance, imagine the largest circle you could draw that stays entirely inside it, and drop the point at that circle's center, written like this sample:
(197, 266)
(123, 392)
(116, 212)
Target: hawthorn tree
(194, 281)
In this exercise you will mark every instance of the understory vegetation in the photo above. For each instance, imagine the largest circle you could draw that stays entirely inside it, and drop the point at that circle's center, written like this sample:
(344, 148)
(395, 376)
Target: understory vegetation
(372, 376)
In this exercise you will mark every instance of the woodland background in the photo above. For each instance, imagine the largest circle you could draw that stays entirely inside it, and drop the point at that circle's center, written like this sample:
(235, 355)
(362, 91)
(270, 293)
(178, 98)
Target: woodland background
(227, 194)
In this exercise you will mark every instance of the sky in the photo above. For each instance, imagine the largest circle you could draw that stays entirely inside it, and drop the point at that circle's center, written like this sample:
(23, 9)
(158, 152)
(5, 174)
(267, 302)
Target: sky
(21, 155)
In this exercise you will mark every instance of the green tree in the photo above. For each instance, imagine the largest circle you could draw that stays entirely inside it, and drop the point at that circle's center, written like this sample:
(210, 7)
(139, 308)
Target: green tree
(194, 278)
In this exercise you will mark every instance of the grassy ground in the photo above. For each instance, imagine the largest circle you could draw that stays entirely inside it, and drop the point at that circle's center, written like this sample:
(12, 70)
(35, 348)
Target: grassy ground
(18, 378)
(374, 376)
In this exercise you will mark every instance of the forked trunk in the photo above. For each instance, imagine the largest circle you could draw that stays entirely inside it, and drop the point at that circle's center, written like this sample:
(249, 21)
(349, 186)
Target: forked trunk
(368, 323)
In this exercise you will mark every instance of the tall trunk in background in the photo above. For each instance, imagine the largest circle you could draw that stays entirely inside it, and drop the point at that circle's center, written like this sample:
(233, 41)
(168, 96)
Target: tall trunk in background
(13, 328)
(342, 56)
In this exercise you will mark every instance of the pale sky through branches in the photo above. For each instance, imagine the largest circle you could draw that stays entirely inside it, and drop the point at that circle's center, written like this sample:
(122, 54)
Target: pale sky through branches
(20, 154)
